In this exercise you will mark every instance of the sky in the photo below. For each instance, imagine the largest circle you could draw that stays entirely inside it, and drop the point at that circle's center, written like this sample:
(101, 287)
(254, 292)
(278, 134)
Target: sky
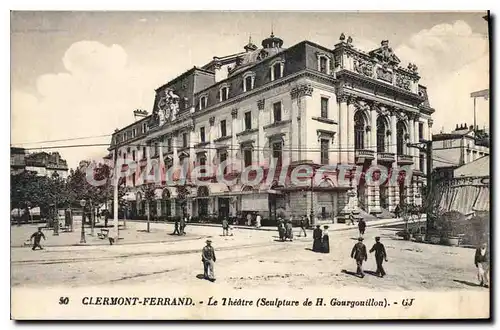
(82, 74)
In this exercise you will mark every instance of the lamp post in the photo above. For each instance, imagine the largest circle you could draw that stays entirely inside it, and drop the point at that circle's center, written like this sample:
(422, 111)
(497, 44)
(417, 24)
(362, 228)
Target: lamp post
(82, 237)
(55, 177)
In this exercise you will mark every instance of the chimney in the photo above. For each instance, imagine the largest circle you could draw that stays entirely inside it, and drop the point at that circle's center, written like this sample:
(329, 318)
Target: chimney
(456, 127)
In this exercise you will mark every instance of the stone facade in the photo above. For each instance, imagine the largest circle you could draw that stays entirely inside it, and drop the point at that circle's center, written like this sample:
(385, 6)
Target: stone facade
(307, 104)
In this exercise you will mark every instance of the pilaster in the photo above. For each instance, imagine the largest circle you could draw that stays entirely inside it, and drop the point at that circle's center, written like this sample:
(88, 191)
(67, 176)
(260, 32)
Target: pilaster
(350, 130)
(234, 144)
(344, 128)
(261, 137)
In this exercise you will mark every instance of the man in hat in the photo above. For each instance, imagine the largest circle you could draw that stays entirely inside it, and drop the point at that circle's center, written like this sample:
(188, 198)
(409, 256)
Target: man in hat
(482, 262)
(303, 226)
(289, 230)
(208, 259)
(37, 237)
(361, 226)
(351, 218)
(380, 256)
(317, 235)
(225, 227)
(359, 254)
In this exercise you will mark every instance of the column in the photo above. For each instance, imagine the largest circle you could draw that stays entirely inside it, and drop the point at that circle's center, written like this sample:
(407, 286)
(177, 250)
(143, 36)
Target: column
(175, 146)
(429, 131)
(299, 118)
(192, 153)
(373, 131)
(416, 139)
(373, 191)
(393, 148)
(261, 122)
(412, 153)
(234, 143)
(148, 159)
(343, 127)
(161, 162)
(350, 130)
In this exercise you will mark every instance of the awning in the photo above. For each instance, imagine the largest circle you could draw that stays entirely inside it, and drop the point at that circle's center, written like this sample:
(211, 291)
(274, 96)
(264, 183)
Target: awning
(483, 200)
(217, 188)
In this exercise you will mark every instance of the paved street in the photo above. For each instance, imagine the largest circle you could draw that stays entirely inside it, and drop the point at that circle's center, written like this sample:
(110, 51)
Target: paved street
(250, 258)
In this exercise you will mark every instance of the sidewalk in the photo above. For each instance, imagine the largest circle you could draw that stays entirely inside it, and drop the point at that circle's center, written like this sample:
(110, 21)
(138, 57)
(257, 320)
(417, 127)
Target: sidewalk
(135, 233)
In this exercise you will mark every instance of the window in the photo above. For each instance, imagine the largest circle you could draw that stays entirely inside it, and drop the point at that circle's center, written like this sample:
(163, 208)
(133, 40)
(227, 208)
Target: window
(380, 134)
(184, 140)
(144, 127)
(359, 131)
(420, 131)
(169, 144)
(222, 159)
(224, 93)
(248, 83)
(400, 138)
(421, 161)
(134, 132)
(124, 155)
(203, 162)
(203, 102)
(202, 134)
(248, 120)
(277, 111)
(247, 155)
(223, 131)
(323, 212)
(277, 153)
(133, 180)
(324, 151)
(156, 149)
(323, 64)
(276, 71)
(133, 155)
(324, 107)
(143, 152)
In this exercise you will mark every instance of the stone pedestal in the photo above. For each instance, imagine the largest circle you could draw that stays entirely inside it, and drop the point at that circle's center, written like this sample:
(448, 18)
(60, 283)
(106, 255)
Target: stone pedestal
(373, 199)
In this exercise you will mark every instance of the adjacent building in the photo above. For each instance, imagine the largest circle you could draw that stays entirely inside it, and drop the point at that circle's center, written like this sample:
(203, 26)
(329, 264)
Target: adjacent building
(43, 163)
(459, 147)
(305, 104)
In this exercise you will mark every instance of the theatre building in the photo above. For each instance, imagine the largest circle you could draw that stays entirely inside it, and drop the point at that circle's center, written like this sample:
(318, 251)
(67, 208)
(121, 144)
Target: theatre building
(304, 104)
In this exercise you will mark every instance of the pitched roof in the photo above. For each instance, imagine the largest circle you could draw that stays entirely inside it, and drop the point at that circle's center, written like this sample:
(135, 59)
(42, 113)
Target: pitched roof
(478, 168)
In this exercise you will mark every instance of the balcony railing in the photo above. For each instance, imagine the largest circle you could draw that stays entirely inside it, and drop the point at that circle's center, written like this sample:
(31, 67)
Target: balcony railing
(363, 154)
(405, 160)
(385, 156)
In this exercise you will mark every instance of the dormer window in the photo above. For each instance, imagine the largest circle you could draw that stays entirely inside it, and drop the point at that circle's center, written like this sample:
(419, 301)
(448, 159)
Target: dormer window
(144, 127)
(223, 93)
(248, 81)
(277, 69)
(203, 102)
(323, 63)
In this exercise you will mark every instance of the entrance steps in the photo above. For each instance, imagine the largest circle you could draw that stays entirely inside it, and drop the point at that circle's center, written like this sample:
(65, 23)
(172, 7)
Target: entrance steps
(385, 214)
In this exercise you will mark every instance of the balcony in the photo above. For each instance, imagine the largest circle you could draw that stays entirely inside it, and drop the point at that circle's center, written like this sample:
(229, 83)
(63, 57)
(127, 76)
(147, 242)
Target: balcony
(385, 157)
(405, 160)
(362, 155)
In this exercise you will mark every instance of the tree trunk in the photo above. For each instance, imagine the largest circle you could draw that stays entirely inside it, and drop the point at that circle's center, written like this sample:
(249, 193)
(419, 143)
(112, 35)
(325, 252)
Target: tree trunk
(92, 219)
(148, 214)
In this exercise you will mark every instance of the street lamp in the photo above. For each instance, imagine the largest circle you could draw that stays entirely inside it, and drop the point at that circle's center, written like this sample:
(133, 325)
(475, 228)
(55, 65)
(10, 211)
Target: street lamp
(55, 177)
(82, 237)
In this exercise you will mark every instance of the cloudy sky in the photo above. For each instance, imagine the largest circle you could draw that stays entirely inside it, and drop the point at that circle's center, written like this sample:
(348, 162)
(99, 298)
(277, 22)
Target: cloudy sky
(81, 74)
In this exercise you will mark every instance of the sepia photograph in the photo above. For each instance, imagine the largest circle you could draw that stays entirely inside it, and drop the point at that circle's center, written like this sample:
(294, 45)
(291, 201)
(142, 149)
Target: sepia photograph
(250, 165)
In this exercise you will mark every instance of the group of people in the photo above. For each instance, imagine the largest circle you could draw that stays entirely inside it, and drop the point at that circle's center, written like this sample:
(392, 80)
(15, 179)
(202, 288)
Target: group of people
(180, 225)
(254, 218)
(321, 241)
(359, 254)
(285, 229)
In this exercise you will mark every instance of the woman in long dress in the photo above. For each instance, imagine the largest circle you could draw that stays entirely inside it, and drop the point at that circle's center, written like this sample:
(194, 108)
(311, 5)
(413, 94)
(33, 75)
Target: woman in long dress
(326, 240)
(317, 236)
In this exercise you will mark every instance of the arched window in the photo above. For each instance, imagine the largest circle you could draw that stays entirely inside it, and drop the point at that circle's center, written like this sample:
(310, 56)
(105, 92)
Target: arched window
(400, 142)
(248, 81)
(359, 131)
(203, 102)
(381, 130)
(224, 93)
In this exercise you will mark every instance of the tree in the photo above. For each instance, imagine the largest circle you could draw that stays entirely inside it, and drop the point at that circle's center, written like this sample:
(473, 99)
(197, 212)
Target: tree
(148, 191)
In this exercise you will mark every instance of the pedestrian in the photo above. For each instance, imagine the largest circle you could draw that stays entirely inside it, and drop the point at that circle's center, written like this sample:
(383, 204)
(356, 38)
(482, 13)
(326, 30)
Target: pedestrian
(325, 241)
(37, 237)
(380, 256)
(317, 237)
(482, 262)
(303, 227)
(281, 229)
(359, 254)
(176, 227)
(289, 230)
(361, 226)
(208, 259)
(258, 221)
(182, 225)
(397, 211)
(351, 218)
(249, 219)
(225, 227)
